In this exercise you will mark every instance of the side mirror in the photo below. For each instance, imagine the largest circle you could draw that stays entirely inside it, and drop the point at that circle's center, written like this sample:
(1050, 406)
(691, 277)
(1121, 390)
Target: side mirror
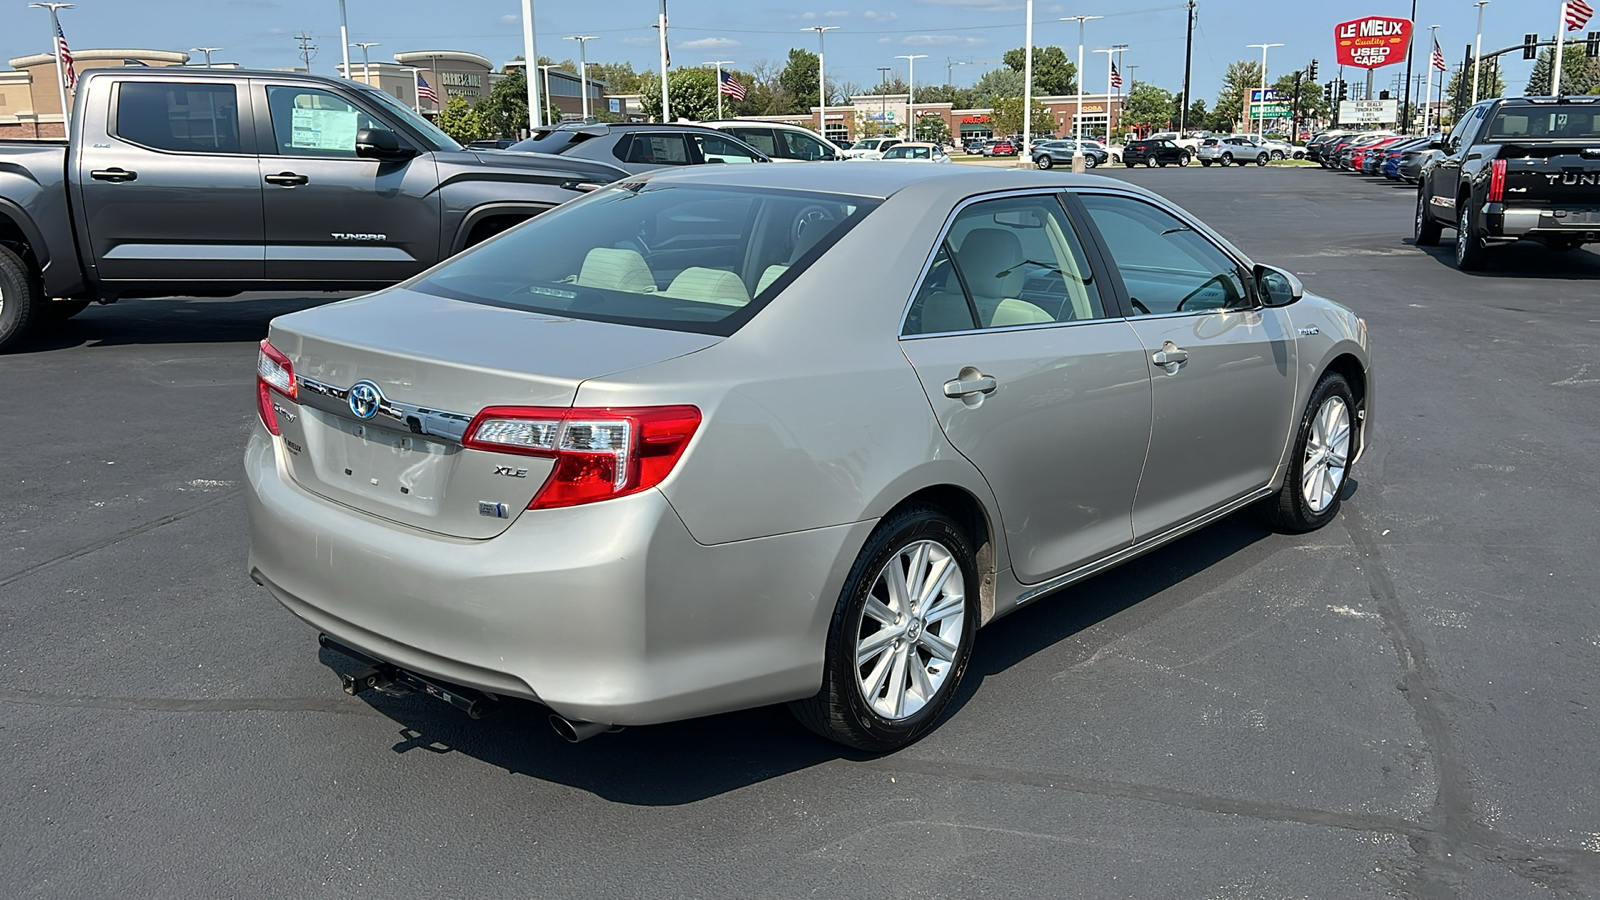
(381, 144)
(1277, 287)
(1436, 144)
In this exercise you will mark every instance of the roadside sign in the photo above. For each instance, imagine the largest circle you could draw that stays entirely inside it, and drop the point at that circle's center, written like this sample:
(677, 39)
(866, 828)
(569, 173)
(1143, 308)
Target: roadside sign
(1274, 110)
(1271, 96)
(1369, 112)
(1372, 42)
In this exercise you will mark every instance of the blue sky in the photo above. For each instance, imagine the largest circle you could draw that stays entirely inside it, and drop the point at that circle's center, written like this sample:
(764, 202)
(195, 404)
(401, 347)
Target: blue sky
(258, 33)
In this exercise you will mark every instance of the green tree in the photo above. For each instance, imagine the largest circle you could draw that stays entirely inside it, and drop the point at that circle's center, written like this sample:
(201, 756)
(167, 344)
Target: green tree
(459, 120)
(1236, 84)
(1007, 117)
(933, 128)
(866, 127)
(694, 95)
(799, 81)
(1147, 107)
(1459, 90)
(504, 112)
(1579, 73)
(1311, 103)
(1198, 116)
(619, 78)
(996, 83)
(958, 97)
(1053, 73)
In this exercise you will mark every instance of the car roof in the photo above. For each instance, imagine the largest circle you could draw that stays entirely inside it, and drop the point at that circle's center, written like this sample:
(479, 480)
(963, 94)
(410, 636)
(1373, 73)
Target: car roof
(759, 124)
(865, 180)
(916, 144)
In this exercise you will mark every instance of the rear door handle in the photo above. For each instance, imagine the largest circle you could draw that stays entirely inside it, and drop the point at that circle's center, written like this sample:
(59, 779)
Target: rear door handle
(1170, 354)
(287, 179)
(114, 175)
(956, 388)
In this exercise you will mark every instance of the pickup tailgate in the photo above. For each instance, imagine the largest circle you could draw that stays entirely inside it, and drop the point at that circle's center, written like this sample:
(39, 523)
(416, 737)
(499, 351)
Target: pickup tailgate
(1562, 176)
(425, 365)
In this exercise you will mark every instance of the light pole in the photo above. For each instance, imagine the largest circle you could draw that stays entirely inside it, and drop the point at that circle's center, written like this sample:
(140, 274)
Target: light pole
(719, 63)
(1077, 115)
(544, 70)
(822, 75)
(1261, 133)
(661, 32)
(1477, 50)
(583, 69)
(366, 64)
(530, 58)
(55, 42)
(883, 97)
(1427, 102)
(1024, 154)
(210, 50)
(344, 40)
(911, 91)
(1110, 64)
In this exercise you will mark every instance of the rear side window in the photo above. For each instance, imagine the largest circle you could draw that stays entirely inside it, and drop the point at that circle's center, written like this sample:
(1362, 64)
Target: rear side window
(701, 258)
(653, 149)
(803, 146)
(759, 138)
(186, 118)
(716, 148)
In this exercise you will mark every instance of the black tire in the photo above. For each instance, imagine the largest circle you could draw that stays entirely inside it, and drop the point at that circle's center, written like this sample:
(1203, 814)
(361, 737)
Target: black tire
(1128, 164)
(1183, 160)
(1471, 254)
(1424, 229)
(1277, 154)
(1088, 161)
(1044, 162)
(21, 295)
(1261, 160)
(1227, 160)
(1206, 163)
(840, 711)
(1288, 510)
(1150, 161)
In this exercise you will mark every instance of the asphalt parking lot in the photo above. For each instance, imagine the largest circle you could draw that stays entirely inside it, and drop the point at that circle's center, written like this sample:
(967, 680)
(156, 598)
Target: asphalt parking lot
(1403, 704)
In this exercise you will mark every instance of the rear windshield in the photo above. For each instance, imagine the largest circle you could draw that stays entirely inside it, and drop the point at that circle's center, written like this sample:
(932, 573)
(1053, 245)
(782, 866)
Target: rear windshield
(557, 141)
(1547, 123)
(701, 258)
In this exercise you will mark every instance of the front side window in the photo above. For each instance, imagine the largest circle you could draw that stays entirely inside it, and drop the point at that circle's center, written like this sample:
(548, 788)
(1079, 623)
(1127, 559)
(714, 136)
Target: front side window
(759, 138)
(716, 148)
(653, 149)
(804, 146)
(311, 122)
(698, 258)
(185, 118)
(1166, 266)
(1010, 261)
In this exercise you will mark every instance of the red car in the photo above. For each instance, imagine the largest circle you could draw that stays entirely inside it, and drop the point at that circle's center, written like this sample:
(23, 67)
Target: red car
(1360, 156)
(1004, 148)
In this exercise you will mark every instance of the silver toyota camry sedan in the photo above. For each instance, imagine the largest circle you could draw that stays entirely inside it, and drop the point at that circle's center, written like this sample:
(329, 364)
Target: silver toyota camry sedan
(713, 439)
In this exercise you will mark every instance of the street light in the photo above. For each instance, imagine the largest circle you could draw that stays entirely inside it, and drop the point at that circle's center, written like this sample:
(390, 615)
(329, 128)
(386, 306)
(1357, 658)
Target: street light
(1025, 153)
(1110, 65)
(583, 68)
(1077, 116)
(1261, 133)
(822, 75)
(883, 97)
(210, 50)
(344, 41)
(61, 76)
(530, 58)
(911, 90)
(366, 64)
(1477, 50)
(544, 69)
(719, 63)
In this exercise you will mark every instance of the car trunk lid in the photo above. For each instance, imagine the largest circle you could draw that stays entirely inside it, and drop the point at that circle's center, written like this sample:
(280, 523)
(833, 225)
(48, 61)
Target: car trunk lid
(384, 399)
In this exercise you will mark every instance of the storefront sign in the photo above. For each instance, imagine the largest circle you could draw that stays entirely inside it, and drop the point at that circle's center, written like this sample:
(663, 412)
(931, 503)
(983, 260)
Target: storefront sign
(974, 120)
(1368, 112)
(1372, 42)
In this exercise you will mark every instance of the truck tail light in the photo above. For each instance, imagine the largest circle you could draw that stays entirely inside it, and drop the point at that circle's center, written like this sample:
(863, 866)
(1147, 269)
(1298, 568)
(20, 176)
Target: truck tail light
(1497, 180)
(600, 453)
(274, 372)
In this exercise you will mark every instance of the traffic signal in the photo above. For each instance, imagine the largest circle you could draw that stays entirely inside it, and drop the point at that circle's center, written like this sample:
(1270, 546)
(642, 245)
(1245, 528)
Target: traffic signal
(1383, 95)
(1530, 46)
(1592, 48)
(1327, 92)
(1344, 90)
(1311, 70)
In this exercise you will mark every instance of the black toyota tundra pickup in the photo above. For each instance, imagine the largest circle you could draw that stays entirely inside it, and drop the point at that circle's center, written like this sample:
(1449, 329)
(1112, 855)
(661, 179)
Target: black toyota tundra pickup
(195, 182)
(1514, 168)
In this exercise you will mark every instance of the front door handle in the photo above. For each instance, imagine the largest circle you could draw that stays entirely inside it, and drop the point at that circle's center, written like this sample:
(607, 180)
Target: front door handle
(287, 179)
(974, 382)
(114, 175)
(1170, 354)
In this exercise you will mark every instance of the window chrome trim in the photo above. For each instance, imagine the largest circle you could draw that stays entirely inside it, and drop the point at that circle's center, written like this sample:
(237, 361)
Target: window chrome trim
(1053, 193)
(391, 415)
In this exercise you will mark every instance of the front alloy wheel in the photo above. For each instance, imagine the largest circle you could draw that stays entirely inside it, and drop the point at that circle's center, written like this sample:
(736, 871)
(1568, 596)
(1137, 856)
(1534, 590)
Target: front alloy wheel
(1320, 466)
(1149, 162)
(901, 634)
(1045, 162)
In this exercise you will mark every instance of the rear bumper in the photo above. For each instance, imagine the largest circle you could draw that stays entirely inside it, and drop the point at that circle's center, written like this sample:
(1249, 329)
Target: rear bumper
(609, 612)
(1503, 221)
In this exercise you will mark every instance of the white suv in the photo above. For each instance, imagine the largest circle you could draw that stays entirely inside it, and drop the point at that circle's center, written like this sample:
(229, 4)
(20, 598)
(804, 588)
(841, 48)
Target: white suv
(870, 148)
(784, 143)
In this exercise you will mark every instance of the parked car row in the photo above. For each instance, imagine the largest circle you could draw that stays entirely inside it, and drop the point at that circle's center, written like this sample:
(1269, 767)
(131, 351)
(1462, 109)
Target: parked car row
(1396, 157)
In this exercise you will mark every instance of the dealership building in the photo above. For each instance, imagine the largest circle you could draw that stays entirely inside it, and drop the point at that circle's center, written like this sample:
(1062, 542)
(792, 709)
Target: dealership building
(887, 114)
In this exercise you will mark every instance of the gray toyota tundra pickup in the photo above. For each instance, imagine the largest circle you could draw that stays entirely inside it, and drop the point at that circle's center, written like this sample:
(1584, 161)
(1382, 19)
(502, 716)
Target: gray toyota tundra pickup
(195, 182)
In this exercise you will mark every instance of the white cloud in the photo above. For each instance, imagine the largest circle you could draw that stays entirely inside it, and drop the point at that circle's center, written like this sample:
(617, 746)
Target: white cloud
(940, 40)
(837, 14)
(511, 19)
(710, 43)
(806, 17)
(871, 16)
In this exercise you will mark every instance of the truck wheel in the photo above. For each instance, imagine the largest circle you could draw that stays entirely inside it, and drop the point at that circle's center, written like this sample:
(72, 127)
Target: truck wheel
(1471, 254)
(20, 294)
(1425, 230)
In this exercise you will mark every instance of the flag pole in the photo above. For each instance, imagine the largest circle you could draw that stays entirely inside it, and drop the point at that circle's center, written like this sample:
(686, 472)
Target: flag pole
(55, 43)
(1561, 40)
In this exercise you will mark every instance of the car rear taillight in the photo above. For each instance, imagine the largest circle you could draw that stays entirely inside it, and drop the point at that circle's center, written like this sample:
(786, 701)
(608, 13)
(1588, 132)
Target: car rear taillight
(274, 372)
(600, 453)
(1497, 180)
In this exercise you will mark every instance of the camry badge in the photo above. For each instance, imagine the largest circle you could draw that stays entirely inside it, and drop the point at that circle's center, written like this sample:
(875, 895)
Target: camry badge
(365, 399)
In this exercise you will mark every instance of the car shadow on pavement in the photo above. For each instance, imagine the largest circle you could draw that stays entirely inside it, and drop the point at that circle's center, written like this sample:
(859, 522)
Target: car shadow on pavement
(1523, 259)
(190, 320)
(684, 762)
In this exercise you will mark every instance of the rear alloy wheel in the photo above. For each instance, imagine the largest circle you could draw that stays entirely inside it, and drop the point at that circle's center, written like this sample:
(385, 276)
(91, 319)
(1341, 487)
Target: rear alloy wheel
(1183, 160)
(901, 634)
(1470, 252)
(1425, 230)
(1150, 161)
(1261, 160)
(1045, 162)
(1277, 154)
(1320, 466)
(1089, 163)
(20, 298)
(1227, 160)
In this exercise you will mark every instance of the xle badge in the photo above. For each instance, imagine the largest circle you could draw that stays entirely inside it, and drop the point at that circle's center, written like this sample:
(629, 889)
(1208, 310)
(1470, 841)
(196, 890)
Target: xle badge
(511, 472)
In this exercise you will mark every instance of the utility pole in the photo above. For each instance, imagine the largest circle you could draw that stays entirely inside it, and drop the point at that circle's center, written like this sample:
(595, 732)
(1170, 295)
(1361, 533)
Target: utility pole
(583, 69)
(308, 50)
(366, 62)
(344, 40)
(1188, 57)
(55, 44)
(207, 51)
(661, 26)
(822, 76)
(530, 59)
(1025, 153)
(1410, 52)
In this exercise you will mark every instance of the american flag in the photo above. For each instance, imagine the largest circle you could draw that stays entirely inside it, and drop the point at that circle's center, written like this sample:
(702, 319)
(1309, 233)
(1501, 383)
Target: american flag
(66, 58)
(1577, 14)
(1438, 57)
(424, 92)
(731, 86)
(1116, 78)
